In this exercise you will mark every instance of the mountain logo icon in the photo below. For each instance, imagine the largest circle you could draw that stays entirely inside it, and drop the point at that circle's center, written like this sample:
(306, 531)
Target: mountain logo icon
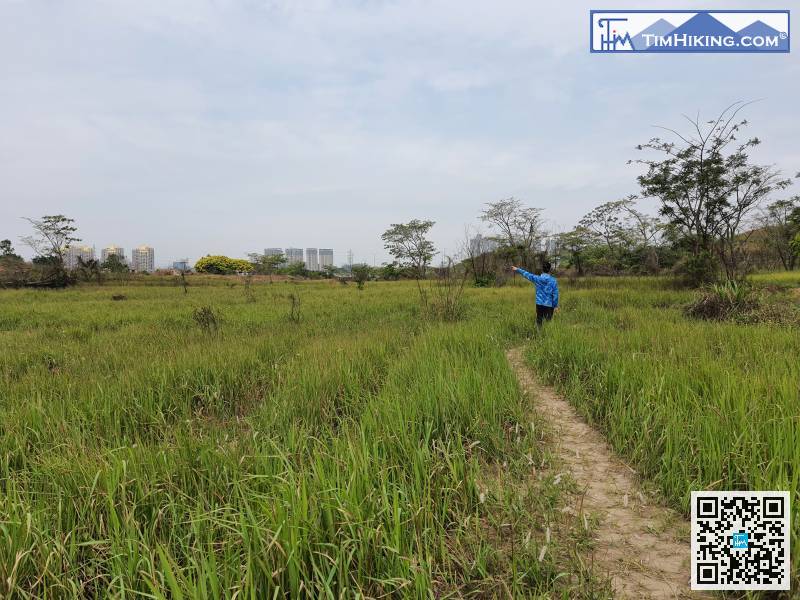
(665, 31)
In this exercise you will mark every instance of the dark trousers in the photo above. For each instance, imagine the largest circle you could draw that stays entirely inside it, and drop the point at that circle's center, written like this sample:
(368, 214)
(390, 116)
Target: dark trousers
(543, 313)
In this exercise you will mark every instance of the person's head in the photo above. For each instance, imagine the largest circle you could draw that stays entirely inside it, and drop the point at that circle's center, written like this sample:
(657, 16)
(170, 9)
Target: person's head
(546, 267)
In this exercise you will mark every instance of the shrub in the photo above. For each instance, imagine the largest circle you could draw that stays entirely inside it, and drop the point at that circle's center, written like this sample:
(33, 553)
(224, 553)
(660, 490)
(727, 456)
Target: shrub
(485, 280)
(223, 265)
(698, 270)
(207, 319)
(294, 307)
(724, 301)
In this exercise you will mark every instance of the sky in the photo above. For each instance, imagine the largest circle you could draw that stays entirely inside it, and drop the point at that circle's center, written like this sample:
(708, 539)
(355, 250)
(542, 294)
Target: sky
(225, 127)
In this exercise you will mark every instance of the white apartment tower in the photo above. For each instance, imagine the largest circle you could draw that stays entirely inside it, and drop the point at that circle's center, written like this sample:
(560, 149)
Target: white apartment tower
(325, 257)
(109, 250)
(143, 259)
(273, 251)
(85, 253)
(312, 259)
(294, 255)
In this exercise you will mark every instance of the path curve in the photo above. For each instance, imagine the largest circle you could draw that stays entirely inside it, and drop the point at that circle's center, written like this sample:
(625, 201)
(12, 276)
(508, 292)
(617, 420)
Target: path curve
(638, 543)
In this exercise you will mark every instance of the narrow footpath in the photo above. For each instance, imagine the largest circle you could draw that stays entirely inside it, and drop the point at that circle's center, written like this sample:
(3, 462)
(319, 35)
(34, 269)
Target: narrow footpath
(642, 546)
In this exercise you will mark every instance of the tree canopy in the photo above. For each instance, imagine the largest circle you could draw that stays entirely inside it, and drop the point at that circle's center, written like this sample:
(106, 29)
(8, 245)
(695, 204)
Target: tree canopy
(223, 265)
(408, 244)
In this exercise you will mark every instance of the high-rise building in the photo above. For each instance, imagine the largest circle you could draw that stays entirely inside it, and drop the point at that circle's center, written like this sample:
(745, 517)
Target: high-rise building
(109, 250)
(312, 259)
(294, 255)
(143, 259)
(84, 253)
(325, 257)
(273, 251)
(480, 245)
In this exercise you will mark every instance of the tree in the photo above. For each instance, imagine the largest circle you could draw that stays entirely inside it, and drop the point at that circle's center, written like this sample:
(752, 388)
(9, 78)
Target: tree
(518, 229)
(13, 270)
(707, 187)
(361, 273)
(296, 269)
(53, 234)
(574, 244)
(114, 264)
(7, 251)
(628, 234)
(222, 265)
(89, 269)
(780, 223)
(409, 246)
(266, 264)
(795, 245)
(390, 271)
(480, 258)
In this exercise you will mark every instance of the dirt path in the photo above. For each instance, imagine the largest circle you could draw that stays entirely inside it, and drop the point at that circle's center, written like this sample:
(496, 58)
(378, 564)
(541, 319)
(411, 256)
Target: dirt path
(642, 546)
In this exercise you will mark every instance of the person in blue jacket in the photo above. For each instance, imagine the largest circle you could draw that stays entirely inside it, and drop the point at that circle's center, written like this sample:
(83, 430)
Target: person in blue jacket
(546, 292)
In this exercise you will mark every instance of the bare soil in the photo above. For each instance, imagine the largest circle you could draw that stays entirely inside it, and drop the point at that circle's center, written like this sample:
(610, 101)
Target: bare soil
(641, 545)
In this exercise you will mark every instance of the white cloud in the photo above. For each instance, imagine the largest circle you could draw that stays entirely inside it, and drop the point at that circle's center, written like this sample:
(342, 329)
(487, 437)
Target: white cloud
(252, 123)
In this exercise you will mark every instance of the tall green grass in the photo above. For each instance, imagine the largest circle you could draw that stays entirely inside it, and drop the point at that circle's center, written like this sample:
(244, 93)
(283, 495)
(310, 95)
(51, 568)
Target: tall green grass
(694, 405)
(355, 453)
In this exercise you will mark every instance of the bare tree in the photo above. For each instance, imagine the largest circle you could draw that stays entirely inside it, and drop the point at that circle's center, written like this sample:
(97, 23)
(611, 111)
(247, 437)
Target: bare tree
(607, 222)
(519, 229)
(53, 235)
(478, 251)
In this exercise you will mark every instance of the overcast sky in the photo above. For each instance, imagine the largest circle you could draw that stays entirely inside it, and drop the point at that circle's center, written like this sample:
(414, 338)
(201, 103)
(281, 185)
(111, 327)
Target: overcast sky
(230, 126)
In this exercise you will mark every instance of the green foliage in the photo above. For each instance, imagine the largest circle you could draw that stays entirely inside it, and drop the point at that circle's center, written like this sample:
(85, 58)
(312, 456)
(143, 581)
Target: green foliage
(487, 280)
(7, 251)
(114, 264)
(707, 187)
(89, 270)
(724, 301)
(692, 404)
(698, 269)
(361, 274)
(352, 453)
(390, 272)
(295, 269)
(222, 265)
(795, 245)
(408, 244)
(207, 318)
(266, 264)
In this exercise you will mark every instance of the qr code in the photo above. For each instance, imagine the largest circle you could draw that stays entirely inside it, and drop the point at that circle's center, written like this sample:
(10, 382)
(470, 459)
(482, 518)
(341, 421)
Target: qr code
(740, 540)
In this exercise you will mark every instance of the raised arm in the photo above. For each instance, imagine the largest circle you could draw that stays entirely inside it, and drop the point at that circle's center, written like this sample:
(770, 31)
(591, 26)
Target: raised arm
(529, 276)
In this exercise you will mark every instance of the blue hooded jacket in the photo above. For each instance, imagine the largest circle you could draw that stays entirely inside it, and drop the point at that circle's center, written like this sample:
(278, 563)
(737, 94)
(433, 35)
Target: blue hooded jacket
(546, 287)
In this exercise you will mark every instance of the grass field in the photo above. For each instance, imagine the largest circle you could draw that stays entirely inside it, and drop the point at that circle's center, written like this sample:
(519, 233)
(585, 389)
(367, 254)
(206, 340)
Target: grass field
(362, 450)
(693, 404)
(357, 451)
